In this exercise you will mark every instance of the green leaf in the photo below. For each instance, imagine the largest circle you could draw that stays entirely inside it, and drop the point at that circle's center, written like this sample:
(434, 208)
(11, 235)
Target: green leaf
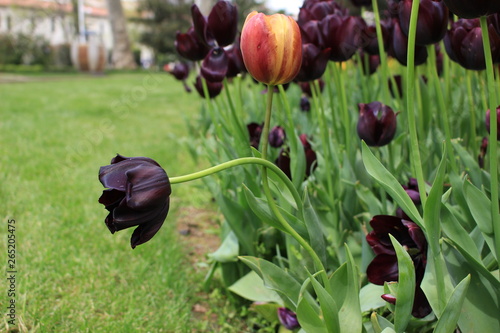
(275, 278)
(380, 323)
(433, 207)
(369, 297)
(329, 309)
(350, 312)
(448, 320)
(314, 229)
(480, 207)
(391, 185)
(308, 317)
(267, 310)
(252, 287)
(406, 287)
(228, 251)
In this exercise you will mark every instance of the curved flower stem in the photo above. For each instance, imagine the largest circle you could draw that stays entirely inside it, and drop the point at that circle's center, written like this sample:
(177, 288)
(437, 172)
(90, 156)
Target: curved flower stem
(493, 103)
(270, 200)
(410, 84)
(243, 161)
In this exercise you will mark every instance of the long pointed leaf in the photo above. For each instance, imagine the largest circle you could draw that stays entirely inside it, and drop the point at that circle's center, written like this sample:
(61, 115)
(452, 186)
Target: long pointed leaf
(448, 320)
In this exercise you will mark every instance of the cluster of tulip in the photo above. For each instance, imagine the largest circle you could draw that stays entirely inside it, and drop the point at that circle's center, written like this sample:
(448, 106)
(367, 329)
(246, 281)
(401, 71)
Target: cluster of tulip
(319, 192)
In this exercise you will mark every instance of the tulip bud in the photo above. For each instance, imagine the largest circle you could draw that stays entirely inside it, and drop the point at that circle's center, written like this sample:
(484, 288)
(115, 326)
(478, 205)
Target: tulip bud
(288, 318)
(377, 123)
(389, 298)
(271, 47)
(277, 137)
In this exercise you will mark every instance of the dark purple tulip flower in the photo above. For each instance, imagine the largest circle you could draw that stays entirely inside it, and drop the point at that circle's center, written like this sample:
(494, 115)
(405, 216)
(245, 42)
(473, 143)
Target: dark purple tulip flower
(369, 62)
(314, 61)
(283, 160)
(412, 189)
(180, 71)
(305, 105)
(288, 319)
(342, 34)
(432, 20)
(310, 32)
(482, 152)
(498, 122)
(361, 3)
(464, 44)
(369, 37)
(384, 267)
(200, 26)
(255, 132)
(277, 137)
(189, 46)
(473, 9)
(307, 88)
(399, 47)
(235, 60)
(214, 88)
(377, 123)
(138, 194)
(214, 66)
(223, 22)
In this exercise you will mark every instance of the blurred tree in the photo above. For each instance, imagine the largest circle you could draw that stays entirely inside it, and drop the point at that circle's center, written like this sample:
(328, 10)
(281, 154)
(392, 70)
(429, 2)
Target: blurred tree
(122, 52)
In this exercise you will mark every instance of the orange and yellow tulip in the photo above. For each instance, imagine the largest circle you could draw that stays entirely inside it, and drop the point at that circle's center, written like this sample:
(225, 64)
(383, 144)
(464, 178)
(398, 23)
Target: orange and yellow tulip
(271, 46)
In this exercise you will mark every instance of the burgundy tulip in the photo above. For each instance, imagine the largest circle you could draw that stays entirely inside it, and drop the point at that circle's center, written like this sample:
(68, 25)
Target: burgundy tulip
(342, 34)
(288, 318)
(314, 63)
(370, 40)
(399, 47)
(369, 63)
(432, 20)
(214, 88)
(305, 105)
(138, 194)
(235, 63)
(498, 122)
(311, 33)
(482, 152)
(255, 132)
(223, 22)
(283, 160)
(377, 124)
(214, 66)
(361, 3)
(464, 44)
(473, 9)
(189, 46)
(180, 71)
(384, 267)
(277, 137)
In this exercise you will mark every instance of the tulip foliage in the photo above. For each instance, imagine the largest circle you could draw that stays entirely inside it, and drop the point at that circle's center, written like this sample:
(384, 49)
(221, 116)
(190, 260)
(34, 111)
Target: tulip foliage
(361, 195)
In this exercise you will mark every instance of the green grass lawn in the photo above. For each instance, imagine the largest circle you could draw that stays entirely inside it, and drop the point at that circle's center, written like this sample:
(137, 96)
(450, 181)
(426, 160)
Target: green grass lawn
(73, 275)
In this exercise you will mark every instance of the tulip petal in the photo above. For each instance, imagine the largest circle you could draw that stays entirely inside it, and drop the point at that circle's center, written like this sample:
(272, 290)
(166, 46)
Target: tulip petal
(146, 231)
(383, 268)
(148, 186)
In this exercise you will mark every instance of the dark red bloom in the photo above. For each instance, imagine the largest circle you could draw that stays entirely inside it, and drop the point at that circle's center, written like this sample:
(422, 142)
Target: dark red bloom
(214, 66)
(473, 9)
(314, 61)
(399, 47)
(283, 160)
(305, 105)
(377, 123)
(384, 267)
(277, 137)
(464, 44)
(255, 132)
(189, 46)
(288, 318)
(138, 194)
(342, 34)
(370, 40)
(214, 88)
(223, 22)
(487, 121)
(431, 23)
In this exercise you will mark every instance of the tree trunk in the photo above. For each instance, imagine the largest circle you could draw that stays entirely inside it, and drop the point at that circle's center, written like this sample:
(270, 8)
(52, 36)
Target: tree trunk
(122, 53)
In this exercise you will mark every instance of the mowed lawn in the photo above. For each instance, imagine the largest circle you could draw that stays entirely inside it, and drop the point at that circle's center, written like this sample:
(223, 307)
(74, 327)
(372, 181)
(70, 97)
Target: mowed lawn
(72, 274)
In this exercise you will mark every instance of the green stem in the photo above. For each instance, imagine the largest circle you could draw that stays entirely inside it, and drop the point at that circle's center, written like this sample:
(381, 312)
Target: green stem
(383, 57)
(442, 106)
(270, 200)
(410, 84)
(493, 103)
(472, 114)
